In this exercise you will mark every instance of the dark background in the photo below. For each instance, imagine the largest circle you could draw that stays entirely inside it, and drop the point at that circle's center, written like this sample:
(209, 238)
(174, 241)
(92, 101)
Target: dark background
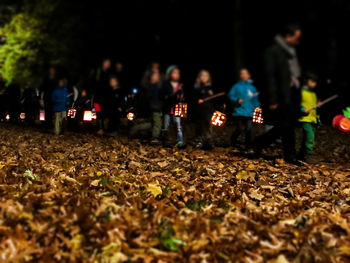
(220, 36)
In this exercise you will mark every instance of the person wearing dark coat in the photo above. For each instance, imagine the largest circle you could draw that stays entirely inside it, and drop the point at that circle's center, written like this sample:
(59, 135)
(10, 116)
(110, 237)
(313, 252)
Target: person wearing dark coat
(113, 106)
(46, 90)
(281, 98)
(204, 109)
(101, 93)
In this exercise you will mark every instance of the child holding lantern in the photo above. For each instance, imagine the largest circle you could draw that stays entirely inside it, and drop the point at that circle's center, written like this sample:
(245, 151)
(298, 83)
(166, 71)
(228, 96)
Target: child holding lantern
(172, 94)
(245, 98)
(309, 120)
(204, 109)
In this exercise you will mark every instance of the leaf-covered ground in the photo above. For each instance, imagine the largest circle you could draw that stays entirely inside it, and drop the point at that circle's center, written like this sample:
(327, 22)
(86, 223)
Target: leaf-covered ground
(80, 198)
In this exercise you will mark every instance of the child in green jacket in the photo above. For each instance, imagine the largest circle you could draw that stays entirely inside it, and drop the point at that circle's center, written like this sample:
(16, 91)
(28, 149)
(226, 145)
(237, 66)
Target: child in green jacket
(309, 106)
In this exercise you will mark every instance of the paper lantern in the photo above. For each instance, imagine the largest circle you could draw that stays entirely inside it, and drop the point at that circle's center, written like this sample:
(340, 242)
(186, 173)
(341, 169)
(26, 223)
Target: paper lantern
(130, 116)
(257, 116)
(7, 117)
(71, 113)
(218, 119)
(336, 120)
(22, 116)
(344, 124)
(42, 115)
(181, 110)
(89, 115)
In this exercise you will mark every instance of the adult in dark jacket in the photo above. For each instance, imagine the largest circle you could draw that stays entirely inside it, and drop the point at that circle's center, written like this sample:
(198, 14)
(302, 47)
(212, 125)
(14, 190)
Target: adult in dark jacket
(101, 92)
(113, 106)
(280, 99)
(46, 90)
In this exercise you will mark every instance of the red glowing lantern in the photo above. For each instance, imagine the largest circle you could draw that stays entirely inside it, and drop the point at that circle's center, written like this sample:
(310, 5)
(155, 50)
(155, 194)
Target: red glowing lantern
(257, 116)
(42, 115)
(130, 116)
(218, 119)
(71, 113)
(181, 110)
(344, 125)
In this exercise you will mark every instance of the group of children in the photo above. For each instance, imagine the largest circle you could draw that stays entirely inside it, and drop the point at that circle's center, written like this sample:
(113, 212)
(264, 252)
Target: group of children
(161, 93)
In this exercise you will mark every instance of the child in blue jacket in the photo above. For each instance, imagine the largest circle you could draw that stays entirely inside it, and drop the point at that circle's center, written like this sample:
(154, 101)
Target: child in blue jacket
(60, 100)
(245, 99)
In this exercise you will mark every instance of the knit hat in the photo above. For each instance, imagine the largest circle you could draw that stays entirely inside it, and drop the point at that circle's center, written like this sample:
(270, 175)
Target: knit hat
(170, 69)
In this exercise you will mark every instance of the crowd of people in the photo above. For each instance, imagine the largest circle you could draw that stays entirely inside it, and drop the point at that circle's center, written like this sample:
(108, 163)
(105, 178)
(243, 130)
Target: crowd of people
(286, 98)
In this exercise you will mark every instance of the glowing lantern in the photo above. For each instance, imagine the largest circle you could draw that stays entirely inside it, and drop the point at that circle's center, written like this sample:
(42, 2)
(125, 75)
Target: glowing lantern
(71, 113)
(257, 116)
(344, 125)
(7, 117)
(22, 116)
(89, 115)
(181, 110)
(336, 120)
(218, 119)
(42, 115)
(130, 116)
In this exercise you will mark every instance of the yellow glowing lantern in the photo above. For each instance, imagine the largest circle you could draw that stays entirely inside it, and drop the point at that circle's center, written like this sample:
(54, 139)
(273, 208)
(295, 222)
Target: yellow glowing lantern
(130, 116)
(257, 116)
(87, 115)
(181, 110)
(218, 119)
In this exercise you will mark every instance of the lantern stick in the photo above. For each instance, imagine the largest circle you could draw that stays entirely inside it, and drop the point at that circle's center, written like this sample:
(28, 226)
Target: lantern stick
(326, 101)
(214, 96)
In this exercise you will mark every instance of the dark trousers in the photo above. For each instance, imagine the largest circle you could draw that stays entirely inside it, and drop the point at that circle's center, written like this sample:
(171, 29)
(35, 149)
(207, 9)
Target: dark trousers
(242, 125)
(113, 121)
(284, 130)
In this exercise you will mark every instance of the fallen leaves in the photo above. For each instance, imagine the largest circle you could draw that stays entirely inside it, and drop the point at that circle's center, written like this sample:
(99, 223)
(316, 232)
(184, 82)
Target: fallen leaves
(78, 198)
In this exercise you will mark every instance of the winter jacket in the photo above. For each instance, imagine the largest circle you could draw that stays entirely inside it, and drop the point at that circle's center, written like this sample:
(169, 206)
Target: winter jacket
(114, 100)
(308, 101)
(280, 70)
(60, 99)
(244, 90)
(206, 109)
(171, 97)
(152, 94)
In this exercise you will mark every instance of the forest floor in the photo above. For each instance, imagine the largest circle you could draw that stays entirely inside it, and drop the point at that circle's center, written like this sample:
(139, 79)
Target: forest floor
(81, 198)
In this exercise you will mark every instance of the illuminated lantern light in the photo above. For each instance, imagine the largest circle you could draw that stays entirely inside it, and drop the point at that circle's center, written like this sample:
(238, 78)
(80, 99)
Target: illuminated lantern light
(87, 115)
(257, 116)
(42, 115)
(130, 116)
(336, 120)
(7, 117)
(218, 119)
(71, 113)
(344, 125)
(181, 110)
(22, 116)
